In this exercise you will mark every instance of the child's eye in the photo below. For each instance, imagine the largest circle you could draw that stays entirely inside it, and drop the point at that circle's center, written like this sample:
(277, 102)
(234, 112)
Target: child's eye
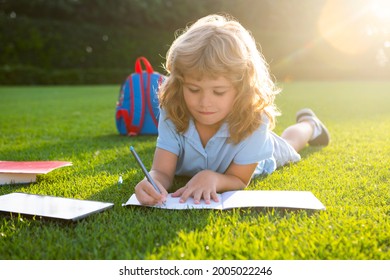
(193, 90)
(219, 93)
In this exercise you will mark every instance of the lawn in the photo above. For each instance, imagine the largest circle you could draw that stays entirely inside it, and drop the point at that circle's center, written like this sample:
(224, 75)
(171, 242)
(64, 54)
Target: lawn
(350, 177)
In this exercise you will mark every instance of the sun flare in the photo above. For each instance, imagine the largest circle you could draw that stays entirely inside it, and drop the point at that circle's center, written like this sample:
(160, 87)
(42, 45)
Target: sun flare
(381, 9)
(353, 26)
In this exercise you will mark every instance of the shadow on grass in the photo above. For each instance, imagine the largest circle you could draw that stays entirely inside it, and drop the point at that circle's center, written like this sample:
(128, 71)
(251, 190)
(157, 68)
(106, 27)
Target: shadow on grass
(305, 154)
(310, 150)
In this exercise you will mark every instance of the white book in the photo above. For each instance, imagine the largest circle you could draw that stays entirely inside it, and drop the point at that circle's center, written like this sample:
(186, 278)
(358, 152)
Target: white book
(244, 199)
(52, 207)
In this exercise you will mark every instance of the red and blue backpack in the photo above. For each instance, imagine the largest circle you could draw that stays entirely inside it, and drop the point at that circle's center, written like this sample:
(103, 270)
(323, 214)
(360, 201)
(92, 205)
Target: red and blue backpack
(137, 109)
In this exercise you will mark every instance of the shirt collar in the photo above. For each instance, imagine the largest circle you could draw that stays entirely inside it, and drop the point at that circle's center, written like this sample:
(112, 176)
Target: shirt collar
(223, 131)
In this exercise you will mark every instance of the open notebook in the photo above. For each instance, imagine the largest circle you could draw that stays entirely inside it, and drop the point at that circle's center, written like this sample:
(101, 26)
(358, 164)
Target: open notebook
(51, 206)
(245, 199)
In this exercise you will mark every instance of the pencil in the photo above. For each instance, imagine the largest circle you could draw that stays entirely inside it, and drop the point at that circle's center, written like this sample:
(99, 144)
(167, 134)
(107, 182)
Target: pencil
(147, 175)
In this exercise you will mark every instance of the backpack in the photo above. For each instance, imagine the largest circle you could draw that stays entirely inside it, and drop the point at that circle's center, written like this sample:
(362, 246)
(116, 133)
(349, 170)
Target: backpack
(137, 109)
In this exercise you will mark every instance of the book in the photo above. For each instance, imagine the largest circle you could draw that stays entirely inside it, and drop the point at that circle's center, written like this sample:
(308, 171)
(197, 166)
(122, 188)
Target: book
(244, 199)
(51, 207)
(23, 172)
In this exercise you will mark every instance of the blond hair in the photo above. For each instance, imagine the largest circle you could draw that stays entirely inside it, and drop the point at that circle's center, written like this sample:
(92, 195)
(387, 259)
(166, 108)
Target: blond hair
(220, 46)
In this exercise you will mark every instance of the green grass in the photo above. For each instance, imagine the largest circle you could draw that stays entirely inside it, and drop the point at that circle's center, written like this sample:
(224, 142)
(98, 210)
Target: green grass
(350, 177)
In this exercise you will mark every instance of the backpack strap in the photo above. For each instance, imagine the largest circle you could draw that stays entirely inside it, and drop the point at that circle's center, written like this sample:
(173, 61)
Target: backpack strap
(138, 66)
(133, 117)
(137, 103)
(149, 72)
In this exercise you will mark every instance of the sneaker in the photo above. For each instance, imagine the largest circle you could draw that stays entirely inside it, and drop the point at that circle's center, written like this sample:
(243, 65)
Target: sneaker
(323, 137)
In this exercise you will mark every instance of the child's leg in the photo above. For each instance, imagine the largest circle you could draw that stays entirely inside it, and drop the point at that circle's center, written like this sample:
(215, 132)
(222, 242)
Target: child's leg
(308, 129)
(299, 134)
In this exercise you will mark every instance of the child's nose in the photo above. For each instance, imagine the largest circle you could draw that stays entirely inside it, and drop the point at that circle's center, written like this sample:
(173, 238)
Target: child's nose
(205, 100)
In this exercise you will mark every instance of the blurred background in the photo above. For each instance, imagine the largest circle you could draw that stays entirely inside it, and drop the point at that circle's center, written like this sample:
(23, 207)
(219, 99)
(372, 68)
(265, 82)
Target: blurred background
(97, 41)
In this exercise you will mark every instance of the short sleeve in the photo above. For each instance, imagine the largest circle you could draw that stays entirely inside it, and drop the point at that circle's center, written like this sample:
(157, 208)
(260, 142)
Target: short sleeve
(256, 147)
(168, 138)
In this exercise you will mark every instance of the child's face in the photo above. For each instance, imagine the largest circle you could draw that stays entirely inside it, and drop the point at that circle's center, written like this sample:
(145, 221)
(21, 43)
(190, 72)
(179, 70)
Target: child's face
(209, 100)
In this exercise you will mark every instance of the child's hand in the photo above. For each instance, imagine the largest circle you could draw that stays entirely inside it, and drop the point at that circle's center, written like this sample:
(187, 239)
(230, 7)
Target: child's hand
(202, 185)
(147, 195)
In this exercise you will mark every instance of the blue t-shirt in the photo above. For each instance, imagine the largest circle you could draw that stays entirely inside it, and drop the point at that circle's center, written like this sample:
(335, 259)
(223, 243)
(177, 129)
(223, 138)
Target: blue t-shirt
(219, 153)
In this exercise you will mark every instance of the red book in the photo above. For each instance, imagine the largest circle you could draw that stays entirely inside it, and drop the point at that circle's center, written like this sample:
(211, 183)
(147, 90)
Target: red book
(21, 172)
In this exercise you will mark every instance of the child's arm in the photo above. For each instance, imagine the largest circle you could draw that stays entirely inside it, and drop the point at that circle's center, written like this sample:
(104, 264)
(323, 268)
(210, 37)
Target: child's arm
(206, 184)
(162, 172)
